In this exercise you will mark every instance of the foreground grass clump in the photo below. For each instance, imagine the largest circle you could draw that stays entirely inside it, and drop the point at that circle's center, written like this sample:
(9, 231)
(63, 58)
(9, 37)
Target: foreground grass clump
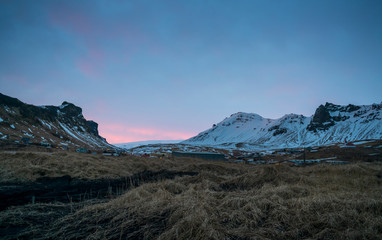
(226, 201)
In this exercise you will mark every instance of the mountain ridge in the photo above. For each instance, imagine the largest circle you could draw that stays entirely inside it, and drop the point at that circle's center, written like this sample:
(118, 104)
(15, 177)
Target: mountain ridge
(329, 124)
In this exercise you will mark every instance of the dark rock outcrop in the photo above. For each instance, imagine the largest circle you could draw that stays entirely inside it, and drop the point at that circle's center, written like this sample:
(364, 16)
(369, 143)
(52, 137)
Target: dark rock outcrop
(93, 127)
(321, 119)
(71, 110)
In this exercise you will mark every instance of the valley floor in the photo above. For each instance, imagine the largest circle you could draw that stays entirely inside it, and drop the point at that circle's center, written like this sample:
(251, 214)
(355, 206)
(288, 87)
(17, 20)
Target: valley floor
(203, 200)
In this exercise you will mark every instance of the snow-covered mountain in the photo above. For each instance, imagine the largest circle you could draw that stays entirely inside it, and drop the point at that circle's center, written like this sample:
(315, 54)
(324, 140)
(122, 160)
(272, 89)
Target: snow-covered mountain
(48, 125)
(330, 124)
(142, 143)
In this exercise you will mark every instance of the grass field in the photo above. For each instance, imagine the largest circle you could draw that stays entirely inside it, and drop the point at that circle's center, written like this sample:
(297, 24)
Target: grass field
(223, 201)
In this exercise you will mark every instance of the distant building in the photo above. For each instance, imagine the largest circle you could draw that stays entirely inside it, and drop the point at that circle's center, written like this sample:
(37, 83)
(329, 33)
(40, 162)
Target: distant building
(110, 152)
(62, 148)
(240, 161)
(5, 137)
(295, 150)
(26, 140)
(46, 144)
(336, 162)
(82, 150)
(202, 155)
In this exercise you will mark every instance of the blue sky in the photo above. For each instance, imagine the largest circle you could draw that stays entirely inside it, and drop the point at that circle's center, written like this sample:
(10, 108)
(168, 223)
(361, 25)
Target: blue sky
(169, 69)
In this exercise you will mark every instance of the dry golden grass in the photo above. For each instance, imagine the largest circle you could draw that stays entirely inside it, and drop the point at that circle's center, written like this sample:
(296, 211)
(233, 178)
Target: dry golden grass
(28, 166)
(224, 201)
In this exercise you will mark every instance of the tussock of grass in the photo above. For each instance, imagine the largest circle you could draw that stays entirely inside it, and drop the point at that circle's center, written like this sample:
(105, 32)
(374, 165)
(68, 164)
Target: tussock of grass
(233, 201)
(262, 175)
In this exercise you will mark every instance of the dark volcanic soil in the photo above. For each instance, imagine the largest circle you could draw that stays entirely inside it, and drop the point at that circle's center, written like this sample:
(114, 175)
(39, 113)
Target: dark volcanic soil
(66, 189)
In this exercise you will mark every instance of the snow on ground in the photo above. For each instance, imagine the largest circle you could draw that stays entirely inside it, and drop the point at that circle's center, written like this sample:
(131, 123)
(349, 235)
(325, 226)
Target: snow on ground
(374, 154)
(141, 143)
(9, 110)
(46, 124)
(168, 148)
(347, 146)
(63, 106)
(362, 142)
(69, 132)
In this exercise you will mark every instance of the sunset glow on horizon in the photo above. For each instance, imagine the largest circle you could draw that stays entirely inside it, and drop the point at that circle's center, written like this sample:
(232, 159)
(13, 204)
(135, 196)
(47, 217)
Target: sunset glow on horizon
(124, 134)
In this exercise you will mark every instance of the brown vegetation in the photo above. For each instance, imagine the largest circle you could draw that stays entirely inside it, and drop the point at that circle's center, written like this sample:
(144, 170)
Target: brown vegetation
(224, 201)
(29, 166)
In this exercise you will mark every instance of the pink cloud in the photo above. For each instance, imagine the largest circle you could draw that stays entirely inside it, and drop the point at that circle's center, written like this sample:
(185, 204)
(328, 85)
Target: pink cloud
(91, 64)
(118, 139)
(86, 24)
(13, 78)
(82, 24)
(86, 68)
(118, 133)
(70, 19)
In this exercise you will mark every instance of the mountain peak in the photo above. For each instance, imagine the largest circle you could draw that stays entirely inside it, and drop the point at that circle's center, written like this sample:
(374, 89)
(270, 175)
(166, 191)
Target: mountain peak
(70, 109)
(330, 123)
(243, 115)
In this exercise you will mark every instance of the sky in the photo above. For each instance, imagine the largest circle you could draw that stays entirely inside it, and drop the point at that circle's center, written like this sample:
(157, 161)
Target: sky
(159, 70)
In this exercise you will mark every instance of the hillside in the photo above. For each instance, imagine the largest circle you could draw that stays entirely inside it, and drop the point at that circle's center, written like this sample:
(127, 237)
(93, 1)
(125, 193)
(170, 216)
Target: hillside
(330, 124)
(59, 126)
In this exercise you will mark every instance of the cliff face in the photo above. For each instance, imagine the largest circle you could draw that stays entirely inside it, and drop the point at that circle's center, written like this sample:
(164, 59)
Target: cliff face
(324, 118)
(62, 125)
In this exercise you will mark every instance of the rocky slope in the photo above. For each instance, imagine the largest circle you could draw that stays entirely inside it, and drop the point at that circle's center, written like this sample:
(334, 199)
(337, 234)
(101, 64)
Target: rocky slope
(330, 124)
(59, 126)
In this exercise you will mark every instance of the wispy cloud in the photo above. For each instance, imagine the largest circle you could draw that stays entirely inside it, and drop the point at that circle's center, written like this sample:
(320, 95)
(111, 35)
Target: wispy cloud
(91, 65)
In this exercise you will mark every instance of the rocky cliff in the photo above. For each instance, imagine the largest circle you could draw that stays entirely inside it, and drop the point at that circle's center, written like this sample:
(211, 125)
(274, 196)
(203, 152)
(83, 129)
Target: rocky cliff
(61, 126)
